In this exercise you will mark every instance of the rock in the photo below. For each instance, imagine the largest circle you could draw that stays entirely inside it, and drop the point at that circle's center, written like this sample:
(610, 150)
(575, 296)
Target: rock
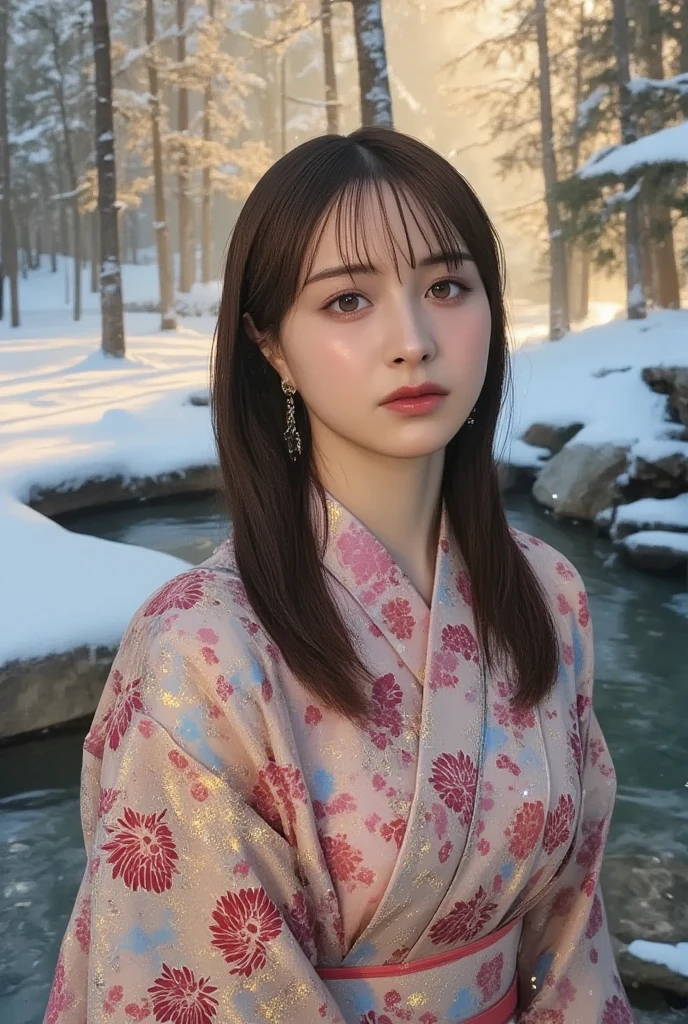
(656, 514)
(114, 490)
(581, 480)
(53, 690)
(655, 550)
(646, 898)
(671, 381)
(659, 469)
(544, 435)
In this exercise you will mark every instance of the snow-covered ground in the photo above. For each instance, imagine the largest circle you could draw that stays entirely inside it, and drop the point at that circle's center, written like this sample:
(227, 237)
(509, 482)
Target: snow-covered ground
(68, 414)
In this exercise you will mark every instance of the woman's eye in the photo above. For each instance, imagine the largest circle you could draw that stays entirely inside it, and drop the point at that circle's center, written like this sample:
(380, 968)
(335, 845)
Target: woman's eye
(349, 303)
(443, 290)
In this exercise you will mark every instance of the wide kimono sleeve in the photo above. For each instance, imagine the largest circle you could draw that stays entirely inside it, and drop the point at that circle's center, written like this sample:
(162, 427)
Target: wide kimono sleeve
(567, 972)
(193, 908)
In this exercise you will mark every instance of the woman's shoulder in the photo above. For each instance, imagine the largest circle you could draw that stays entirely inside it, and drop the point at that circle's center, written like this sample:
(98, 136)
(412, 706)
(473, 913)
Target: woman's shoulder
(193, 650)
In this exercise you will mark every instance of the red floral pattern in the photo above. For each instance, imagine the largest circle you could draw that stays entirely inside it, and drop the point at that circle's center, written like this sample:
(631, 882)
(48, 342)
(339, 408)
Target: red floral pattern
(460, 640)
(399, 618)
(142, 851)
(490, 978)
(344, 861)
(525, 829)
(244, 922)
(395, 830)
(182, 592)
(596, 919)
(465, 920)
(617, 1011)
(279, 785)
(61, 998)
(455, 779)
(300, 918)
(385, 710)
(559, 824)
(180, 999)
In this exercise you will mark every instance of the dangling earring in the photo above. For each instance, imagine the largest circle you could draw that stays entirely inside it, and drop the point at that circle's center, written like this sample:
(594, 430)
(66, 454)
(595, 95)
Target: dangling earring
(291, 434)
(471, 419)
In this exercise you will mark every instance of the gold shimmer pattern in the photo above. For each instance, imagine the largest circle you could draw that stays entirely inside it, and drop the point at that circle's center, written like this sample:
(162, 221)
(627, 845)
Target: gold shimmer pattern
(241, 837)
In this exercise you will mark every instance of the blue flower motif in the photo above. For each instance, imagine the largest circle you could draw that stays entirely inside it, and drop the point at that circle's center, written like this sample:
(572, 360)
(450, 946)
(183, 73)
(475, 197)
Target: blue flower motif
(495, 738)
(362, 997)
(323, 785)
(578, 651)
(464, 1004)
(542, 969)
(507, 871)
(191, 731)
(364, 954)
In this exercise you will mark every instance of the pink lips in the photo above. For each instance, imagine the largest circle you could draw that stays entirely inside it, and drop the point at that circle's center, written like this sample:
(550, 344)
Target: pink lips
(415, 401)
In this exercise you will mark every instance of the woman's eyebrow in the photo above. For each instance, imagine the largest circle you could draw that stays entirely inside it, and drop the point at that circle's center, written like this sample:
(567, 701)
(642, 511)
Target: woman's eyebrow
(351, 269)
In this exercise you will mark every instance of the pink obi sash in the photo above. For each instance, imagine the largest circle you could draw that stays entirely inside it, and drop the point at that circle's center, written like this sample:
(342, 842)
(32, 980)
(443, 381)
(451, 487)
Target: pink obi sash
(450, 985)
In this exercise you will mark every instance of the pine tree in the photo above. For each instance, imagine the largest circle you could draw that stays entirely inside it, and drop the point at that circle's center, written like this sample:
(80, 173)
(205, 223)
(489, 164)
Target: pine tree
(329, 68)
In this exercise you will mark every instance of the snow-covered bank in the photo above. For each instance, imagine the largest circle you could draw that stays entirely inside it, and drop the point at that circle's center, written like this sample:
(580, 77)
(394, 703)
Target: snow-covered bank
(69, 414)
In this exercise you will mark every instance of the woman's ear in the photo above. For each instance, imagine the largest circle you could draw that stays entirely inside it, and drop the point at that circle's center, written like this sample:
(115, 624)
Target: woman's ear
(267, 345)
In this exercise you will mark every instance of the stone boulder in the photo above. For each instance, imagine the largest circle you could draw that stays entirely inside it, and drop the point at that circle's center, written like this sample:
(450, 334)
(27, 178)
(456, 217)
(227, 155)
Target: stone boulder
(673, 382)
(646, 898)
(660, 469)
(103, 491)
(42, 692)
(581, 480)
(544, 435)
(665, 514)
(655, 550)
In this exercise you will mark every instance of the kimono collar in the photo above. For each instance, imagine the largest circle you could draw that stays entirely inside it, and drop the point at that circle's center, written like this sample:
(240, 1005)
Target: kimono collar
(365, 568)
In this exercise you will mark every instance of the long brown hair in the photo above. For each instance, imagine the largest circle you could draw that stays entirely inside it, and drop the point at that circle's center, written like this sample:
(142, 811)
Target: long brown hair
(269, 497)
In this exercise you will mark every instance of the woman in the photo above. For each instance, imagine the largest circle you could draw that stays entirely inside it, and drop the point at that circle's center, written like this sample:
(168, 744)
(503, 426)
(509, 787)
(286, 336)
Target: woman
(347, 770)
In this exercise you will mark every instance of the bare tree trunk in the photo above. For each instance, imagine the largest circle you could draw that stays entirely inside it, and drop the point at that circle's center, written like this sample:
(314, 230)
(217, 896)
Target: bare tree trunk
(635, 302)
(329, 68)
(577, 259)
(9, 237)
(112, 338)
(95, 258)
(660, 240)
(186, 274)
(71, 170)
(283, 101)
(168, 313)
(373, 79)
(558, 288)
(206, 179)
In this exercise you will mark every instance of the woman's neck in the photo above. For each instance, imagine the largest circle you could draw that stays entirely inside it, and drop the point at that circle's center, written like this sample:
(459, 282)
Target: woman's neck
(398, 500)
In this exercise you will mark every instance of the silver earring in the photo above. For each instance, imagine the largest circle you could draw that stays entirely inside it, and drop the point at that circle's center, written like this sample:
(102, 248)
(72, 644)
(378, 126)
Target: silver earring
(471, 419)
(291, 434)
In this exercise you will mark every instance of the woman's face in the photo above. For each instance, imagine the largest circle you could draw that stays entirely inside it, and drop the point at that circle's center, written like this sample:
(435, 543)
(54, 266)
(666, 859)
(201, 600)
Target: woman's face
(355, 335)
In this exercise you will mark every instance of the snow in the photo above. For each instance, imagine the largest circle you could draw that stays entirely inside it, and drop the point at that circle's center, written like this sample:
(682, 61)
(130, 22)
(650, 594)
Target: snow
(69, 413)
(658, 539)
(668, 146)
(648, 511)
(673, 957)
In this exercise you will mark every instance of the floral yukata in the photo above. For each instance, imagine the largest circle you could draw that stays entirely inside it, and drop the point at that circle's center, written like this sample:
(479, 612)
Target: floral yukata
(254, 857)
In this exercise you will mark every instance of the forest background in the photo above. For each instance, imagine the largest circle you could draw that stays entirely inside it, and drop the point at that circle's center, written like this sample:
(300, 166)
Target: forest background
(134, 129)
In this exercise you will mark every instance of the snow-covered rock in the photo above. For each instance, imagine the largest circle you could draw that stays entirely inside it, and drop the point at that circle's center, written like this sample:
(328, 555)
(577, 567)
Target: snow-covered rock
(549, 436)
(650, 514)
(581, 480)
(659, 467)
(646, 898)
(671, 381)
(656, 550)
